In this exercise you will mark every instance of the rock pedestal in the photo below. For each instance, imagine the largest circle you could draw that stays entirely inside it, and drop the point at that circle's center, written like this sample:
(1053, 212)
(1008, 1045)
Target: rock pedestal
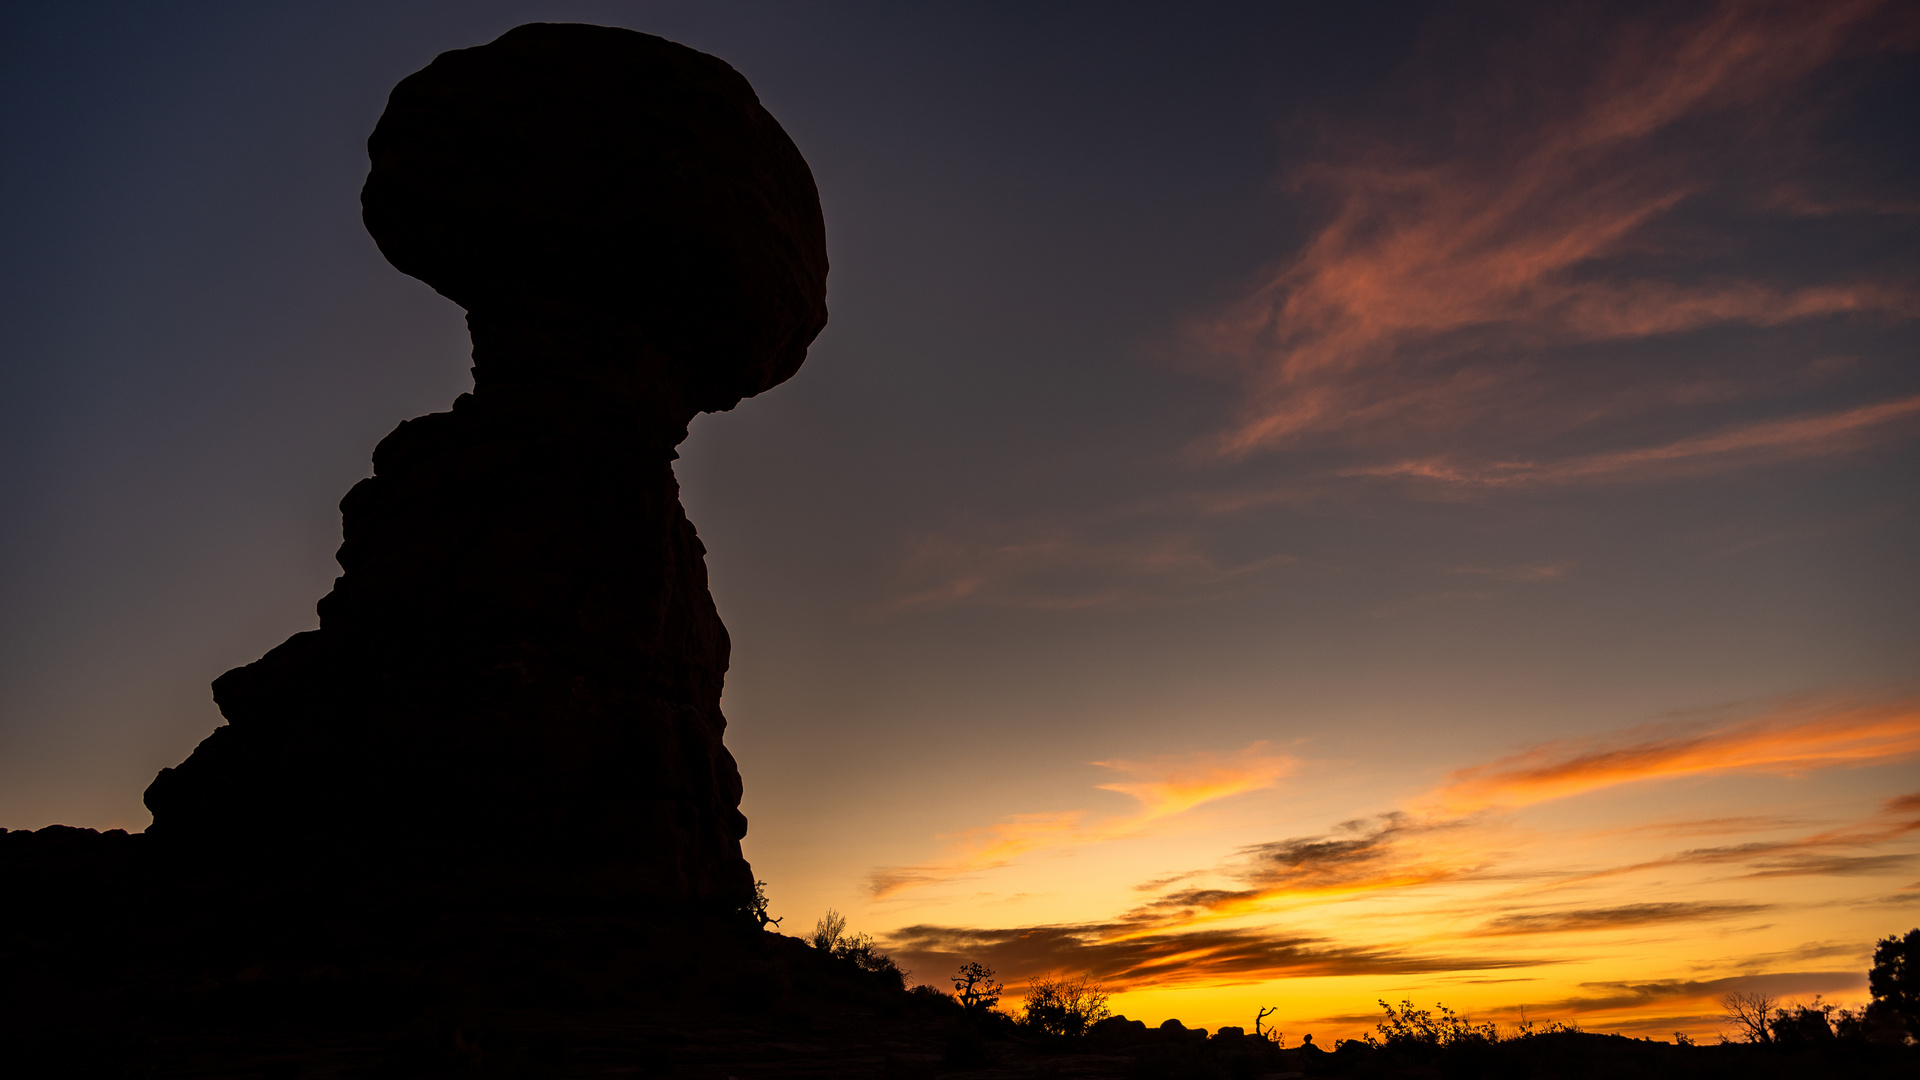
(520, 666)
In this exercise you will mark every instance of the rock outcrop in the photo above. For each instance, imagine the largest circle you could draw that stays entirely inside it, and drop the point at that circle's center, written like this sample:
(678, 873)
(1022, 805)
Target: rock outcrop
(519, 669)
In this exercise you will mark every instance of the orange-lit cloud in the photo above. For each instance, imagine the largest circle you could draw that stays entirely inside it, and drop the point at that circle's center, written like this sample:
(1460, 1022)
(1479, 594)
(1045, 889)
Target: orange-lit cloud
(1164, 787)
(1443, 842)
(1787, 741)
(1737, 446)
(1167, 786)
(1428, 304)
(984, 848)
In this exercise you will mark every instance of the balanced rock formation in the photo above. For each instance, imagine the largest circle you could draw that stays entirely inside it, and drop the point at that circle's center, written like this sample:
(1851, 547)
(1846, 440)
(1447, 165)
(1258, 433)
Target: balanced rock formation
(519, 669)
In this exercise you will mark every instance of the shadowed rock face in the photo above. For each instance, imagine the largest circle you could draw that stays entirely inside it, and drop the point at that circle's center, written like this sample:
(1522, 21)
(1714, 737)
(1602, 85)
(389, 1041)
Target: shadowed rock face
(521, 666)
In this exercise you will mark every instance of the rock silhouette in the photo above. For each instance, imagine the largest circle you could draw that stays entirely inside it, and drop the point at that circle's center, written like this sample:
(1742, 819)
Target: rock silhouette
(519, 669)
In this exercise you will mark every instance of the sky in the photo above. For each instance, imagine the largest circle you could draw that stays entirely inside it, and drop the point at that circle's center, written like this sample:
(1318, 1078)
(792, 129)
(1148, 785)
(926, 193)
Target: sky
(1297, 504)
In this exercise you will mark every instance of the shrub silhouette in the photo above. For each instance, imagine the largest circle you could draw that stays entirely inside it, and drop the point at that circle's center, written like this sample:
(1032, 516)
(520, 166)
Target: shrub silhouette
(933, 995)
(1057, 1005)
(828, 931)
(1800, 1025)
(1409, 1028)
(859, 951)
(1527, 1029)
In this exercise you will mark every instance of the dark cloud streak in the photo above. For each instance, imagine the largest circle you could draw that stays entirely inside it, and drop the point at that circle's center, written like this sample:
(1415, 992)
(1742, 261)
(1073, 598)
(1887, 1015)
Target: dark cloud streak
(1123, 957)
(1612, 918)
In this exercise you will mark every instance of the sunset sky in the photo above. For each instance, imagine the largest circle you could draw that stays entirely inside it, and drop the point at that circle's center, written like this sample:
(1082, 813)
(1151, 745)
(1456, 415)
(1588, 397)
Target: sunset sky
(1297, 504)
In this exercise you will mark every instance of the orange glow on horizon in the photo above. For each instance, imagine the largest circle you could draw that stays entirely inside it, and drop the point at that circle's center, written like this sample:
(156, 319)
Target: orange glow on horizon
(1449, 897)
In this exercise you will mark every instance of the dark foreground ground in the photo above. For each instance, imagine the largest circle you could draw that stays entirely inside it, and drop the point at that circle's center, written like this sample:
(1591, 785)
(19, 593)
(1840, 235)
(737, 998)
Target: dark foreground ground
(112, 965)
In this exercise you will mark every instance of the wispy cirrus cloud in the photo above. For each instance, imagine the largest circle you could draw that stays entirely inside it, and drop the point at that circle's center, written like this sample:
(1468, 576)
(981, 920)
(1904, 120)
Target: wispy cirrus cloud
(1485, 298)
(984, 848)
(1811, 950)
(1805, 865)
(1061, 568)
(1791, 739)
(1740, 445)
(1624, 916)
(1526, 574)
(1822, 853)
(1164, 787)
(1171, 785)
(1667, 993)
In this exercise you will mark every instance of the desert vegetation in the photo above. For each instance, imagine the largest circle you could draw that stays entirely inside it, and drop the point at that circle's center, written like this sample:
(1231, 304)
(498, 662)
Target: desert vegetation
(756, 908)
(975, 987)
(1762, 1036)
(1058, 1005)
(855, 950)
(1892, 1017)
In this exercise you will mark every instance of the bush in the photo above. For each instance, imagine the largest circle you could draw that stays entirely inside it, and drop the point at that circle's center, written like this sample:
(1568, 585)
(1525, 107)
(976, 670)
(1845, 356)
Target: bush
(859, 951)
(1411, 1028)
(1802, 1024)
(830, 936)
(1057, 1005)
(828, 931)
(934, 996)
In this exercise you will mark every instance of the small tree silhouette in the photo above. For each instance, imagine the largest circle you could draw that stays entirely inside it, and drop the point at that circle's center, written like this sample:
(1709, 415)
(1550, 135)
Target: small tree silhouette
(1749, 1013)
(1894, 980)
(1260, 1019)
(975, 988)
